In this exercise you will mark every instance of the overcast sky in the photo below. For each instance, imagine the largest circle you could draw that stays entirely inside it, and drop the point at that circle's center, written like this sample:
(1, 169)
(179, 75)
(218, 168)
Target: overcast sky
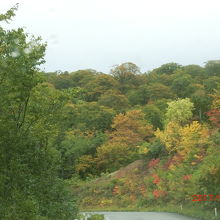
(98, 34)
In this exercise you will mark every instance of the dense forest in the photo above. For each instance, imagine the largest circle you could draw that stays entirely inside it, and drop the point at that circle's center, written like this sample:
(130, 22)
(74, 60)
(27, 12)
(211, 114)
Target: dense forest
(63, 135)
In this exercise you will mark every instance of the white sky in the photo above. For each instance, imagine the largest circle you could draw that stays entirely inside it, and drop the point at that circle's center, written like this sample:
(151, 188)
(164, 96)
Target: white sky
(98, 34)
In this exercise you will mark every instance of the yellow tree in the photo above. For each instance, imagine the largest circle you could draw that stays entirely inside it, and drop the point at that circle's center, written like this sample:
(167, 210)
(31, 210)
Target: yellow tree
(130, 129)
(183, 140)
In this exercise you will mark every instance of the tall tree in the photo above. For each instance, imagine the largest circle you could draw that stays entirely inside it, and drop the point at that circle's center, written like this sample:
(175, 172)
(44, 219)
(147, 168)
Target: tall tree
(29, 184)
(168, 68)
(212, 68)
(126, 74)
(101, 84)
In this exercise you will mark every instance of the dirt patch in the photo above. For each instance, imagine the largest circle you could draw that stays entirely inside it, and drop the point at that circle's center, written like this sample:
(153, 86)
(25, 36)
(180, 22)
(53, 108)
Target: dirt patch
(136, 167)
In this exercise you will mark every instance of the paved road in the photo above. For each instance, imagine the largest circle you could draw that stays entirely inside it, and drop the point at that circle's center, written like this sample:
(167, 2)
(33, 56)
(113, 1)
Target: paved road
(143, 216)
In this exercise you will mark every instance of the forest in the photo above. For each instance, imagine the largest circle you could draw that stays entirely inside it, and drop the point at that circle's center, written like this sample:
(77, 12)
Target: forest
(88, 140)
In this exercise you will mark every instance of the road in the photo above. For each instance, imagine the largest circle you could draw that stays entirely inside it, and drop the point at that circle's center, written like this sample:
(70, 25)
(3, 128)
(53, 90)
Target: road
(143, 216)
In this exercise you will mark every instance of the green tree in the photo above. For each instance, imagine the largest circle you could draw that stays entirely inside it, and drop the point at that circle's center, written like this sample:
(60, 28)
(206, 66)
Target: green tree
(74, 147)
(115, 100)
(179, 111)
(65, 80)
(181, 85)
(100, 85)
(139, 96)
(87, 116)
(201, 101)
(195, 71)
(212, 68)
(126, 74)
(168, 68)
(29, 183)
(150, 92)
(159, 91)
(153, 115)
(211, 84)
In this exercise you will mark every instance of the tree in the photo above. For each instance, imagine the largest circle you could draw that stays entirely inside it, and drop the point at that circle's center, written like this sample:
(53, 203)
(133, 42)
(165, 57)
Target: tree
(211, 84)
(100, 85)
(168, 68)
(88, 116)
(195, 71)
(183, 140)
(29, 183)
(139, 96)
(153, 115)
(214, 113)
(112, 156)
(114, 99)
(201, 101)
(65, 80)
(130, 129)
(212, 68)
(162, 105)
(178, 136)
(122, 147)
(87, 164)
(81, 78)
(75, 94)
(208, 173)
(179, 111)
(153, 77)
(181, 85)
(125, 74)
(74, 147)
(159, 91)
(150, 92)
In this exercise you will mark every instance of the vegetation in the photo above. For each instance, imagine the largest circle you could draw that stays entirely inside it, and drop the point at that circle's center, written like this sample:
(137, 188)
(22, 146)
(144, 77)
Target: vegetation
(65, 137)
(30, 112)
(88, 216)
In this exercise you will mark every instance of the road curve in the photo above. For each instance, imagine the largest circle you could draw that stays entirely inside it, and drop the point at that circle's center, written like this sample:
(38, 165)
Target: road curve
(143, 216)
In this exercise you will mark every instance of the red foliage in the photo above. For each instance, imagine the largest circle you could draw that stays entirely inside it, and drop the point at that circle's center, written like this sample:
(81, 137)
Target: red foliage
(154, 175)
(153, 163)
(175, 160)
(187, 177)
(156, 181)
(158, 193)
(214, 117)
(156, 178)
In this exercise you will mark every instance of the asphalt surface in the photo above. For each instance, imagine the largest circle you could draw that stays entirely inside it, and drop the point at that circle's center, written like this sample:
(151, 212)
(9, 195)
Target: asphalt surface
(143, 216)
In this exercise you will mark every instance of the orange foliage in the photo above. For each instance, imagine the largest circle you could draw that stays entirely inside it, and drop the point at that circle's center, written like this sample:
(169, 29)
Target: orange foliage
(130, 128)
(187, 177)
(142, 189)
(214, 117)
(156, 178)
(116, 190)
(159, 193)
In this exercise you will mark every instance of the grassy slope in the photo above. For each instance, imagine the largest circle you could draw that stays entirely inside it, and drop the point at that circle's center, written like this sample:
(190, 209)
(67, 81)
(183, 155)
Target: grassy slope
(101, 195)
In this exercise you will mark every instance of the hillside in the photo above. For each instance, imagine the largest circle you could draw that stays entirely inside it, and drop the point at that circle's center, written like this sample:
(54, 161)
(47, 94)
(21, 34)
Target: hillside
(145, 186)
(127, 140)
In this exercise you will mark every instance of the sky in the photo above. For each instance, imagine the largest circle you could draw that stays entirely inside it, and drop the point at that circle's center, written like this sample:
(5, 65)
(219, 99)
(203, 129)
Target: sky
(98, 34)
